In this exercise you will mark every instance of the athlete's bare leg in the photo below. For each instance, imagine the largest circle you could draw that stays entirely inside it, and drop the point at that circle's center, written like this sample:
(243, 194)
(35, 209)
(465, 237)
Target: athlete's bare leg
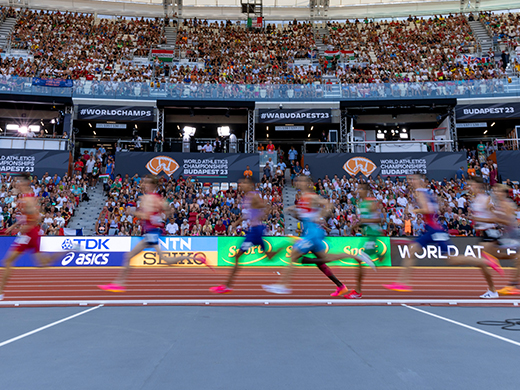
(360, 276)
(8, 261)
(121, 278)
(46, 259)
(406, 272)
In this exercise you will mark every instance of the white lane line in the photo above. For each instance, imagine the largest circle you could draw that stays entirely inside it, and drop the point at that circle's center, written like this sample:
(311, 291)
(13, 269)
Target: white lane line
(464, 325)
(153, 300)
(48, 326)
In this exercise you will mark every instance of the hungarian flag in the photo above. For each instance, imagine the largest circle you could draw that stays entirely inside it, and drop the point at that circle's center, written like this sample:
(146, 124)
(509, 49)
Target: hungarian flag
(163, 55)
(348, 54)
(330, 54)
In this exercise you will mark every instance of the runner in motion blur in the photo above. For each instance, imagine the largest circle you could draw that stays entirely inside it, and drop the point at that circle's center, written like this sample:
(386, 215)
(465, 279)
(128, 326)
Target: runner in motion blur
(369, 222)
(435, 235)
(28, 225)
(254, 210)
(310, 209)
(507, 246)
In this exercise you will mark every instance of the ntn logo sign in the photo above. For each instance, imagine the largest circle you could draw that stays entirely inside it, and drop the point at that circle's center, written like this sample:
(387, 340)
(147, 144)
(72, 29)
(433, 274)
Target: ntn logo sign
(190, 244)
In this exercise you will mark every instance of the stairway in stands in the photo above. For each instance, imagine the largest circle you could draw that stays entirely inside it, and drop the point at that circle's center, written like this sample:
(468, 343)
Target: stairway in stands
(289, 195)
(171, 38)
(481, 35)
(5, 31)
(87, 213)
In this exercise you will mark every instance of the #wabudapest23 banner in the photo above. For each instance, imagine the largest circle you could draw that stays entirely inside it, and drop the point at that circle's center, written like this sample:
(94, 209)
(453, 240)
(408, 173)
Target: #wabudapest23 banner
(213, 167)
(229, 246)
(35, 162)
(306, 115)
(434, 165)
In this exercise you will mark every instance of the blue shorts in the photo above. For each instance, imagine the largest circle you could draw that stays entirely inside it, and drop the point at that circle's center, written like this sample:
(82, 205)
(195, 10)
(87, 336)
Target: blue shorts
(434, 236)
(312, 241)
(254, 237)
(152, 236)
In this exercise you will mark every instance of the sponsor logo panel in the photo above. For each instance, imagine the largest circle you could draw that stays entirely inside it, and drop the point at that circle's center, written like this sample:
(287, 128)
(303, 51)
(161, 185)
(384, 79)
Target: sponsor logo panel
(88, 244)
(255, 256)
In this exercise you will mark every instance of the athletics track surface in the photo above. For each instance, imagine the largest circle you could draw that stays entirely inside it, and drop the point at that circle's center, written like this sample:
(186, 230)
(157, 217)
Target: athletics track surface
(411, 346)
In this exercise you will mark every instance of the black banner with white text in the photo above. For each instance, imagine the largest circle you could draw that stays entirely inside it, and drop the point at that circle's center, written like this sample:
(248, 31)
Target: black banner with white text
(286, 116)
(211, 167)
(435, 166)
(116, 113)
(33, 162)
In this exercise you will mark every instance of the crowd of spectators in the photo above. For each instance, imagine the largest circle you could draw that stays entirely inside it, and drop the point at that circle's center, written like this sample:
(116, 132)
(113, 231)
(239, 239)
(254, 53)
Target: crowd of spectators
(82, 47)
(196, 210)
(73, 45)
(396, 202)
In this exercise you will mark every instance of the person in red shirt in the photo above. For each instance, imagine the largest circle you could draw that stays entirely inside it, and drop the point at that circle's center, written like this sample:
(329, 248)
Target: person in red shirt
(220, 229)
(78, 167)
(270, 147)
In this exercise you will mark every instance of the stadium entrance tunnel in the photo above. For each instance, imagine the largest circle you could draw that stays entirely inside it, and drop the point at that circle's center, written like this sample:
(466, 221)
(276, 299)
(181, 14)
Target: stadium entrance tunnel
(114, 125)
(486, 121)
(400, 125)
(24, 117)
(206, 120)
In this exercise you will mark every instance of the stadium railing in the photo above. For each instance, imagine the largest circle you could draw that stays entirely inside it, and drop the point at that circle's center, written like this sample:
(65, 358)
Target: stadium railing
(266, 92)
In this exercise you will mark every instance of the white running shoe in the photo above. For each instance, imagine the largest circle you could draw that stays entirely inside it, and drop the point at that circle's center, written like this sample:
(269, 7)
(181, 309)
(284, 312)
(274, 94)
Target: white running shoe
(367, 260)
(276, 288)
(77, 247)
(489, 295)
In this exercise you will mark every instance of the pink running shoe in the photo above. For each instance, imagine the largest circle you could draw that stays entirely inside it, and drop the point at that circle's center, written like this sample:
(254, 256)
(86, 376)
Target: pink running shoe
(201, 258)
(398, 287)
(112, 287)
(353, 294)
(222, 289)
(340, 291)
(493, 262)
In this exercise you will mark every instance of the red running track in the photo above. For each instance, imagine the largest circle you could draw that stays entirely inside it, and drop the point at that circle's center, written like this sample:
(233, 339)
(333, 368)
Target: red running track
(193, 283)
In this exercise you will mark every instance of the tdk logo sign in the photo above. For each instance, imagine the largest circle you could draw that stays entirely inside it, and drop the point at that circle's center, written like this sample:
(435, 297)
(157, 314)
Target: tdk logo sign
(88, 244)
(85, 259)
(67, 245)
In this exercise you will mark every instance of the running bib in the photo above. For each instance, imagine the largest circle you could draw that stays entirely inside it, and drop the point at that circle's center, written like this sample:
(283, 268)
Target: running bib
(23, 240)
(440, 237)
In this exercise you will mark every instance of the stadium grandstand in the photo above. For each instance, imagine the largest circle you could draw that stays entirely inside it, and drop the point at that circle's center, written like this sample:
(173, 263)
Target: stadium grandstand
(167, 152)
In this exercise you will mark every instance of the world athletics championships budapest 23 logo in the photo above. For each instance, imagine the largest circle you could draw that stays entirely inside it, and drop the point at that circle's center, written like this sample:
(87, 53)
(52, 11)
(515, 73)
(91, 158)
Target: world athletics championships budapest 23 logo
(359, 165)
(164, 164)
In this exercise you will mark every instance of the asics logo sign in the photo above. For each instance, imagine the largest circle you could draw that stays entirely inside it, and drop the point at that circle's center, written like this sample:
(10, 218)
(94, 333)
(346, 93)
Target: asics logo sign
(164, 164)
(359, 165)
(85, 259)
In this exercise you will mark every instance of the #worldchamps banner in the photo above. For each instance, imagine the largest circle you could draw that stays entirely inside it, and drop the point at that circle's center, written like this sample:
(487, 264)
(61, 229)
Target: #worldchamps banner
(311, 115)
(16, 161)
(213, 167)
(476, 112)
(116, 113)
(435, 166)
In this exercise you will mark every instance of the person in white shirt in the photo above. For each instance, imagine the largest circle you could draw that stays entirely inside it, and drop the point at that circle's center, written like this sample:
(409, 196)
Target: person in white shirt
(461, 202)
(59, 220)
(402, 201)
(172, 228)
(185, 227)
(207, 148)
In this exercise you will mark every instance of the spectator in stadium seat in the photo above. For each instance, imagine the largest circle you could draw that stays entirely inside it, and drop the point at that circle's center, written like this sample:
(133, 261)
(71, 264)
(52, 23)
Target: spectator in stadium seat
(248, 172)
(207, 148)
(293, 154)
(220, 229)
(270, 147)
